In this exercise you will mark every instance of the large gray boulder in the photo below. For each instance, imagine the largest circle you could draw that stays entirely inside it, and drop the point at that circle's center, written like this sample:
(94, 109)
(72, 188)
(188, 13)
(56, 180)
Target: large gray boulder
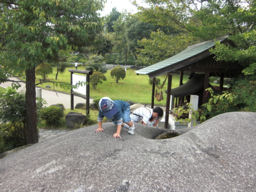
(80, 106)
(218, 155)
(75, 120)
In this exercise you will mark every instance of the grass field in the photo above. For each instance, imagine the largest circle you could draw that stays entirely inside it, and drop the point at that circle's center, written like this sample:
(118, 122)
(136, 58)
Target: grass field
(135, 88)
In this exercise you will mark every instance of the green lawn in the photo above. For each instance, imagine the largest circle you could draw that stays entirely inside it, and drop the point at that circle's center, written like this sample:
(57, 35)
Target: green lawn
(135, 88)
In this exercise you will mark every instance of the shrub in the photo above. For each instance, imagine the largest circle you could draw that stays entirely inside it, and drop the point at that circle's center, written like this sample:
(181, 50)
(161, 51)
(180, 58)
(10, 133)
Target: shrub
(217, 104)
(185, 114)
(245, 91)
(13, 134)
(52, 115)
(96, 78)
(242, 97)
(12, 106)
(118, 73)
(12, 118)
(1, 142)
(60, 105)
(95, 104)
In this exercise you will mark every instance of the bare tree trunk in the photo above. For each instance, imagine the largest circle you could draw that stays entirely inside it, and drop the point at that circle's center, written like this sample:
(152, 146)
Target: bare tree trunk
(31, 132)
(57, 72)
(56, 75)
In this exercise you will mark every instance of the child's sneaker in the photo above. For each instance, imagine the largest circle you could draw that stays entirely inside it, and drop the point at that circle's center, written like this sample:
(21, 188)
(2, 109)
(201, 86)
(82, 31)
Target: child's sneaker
(131, 130)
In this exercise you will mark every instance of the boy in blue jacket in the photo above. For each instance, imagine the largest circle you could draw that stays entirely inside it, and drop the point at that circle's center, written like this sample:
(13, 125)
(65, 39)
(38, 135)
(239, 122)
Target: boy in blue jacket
(118, 111)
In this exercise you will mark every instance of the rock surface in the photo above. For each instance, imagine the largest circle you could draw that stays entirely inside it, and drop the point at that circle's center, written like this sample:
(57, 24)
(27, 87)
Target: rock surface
(218, 155)
(80, 106)
(61, 106)
(74, 120)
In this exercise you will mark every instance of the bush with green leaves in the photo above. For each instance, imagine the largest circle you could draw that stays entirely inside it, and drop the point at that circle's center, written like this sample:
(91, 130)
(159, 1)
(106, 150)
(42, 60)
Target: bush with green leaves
(95, 104)
(242, 97)
(185, 114)
(245, 91)
(12, 117)
(2, 145)
(52, 115)
(12, 106)
(118, 73)
(217, 104)
(13, 134)
(97, 78)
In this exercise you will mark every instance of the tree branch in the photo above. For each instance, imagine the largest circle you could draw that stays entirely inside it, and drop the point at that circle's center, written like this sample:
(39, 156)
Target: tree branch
(10, 2)
(14, 81)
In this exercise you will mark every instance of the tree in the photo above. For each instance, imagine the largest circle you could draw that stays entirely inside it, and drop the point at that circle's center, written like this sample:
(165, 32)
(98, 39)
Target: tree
(172, 14)
(127, 31)
(237, 20)
(103, 44)
(118, 73)
(130, 31)
(33, 32)
(172, 34)
(62, 61)
(96, 78)
(122, 41)
(123, 38)
(43, 69)
(204, 20)
(96, 63)
(161, 46)
(111, 18)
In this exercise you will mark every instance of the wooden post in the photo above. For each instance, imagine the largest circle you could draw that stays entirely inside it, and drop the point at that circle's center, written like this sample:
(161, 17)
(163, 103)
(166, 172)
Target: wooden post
(71, 92)
(181, 100)
(87, 94)
(153, 93)
(206, 85)
(181, 78)
(169, 87)
(221, 82)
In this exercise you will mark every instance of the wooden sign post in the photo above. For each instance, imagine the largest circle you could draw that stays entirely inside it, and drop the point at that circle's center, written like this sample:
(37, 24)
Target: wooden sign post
(81, 90)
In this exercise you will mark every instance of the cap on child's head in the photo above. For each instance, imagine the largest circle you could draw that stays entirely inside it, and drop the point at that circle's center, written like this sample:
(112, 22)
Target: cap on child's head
(108, 107)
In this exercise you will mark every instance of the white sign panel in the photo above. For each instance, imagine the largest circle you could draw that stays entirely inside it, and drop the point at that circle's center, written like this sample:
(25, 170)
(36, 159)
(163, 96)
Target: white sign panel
(79, 81)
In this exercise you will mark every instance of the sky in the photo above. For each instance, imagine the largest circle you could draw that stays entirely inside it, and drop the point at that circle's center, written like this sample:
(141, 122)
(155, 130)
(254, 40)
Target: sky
(126, 5)
(120, 5)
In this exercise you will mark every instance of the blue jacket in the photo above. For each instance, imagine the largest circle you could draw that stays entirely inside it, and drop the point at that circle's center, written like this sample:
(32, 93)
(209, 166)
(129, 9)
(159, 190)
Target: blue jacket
(118, 117)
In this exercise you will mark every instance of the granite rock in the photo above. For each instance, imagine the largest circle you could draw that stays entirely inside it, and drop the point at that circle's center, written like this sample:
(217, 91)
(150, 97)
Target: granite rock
(75, 120)
(217, 155)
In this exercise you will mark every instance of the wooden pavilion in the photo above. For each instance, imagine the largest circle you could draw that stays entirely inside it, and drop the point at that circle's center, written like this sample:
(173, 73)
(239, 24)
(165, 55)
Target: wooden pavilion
(194, 59)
